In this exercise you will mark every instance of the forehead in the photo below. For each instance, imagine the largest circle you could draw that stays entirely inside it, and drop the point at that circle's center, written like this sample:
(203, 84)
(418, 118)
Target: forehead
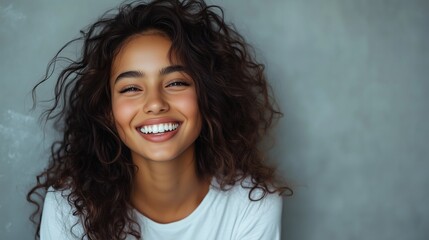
(143, 50)
(143, 43)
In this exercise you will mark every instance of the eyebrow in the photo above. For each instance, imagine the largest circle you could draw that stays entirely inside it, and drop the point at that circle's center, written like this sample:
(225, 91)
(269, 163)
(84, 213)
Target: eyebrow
(139, 74)
(171, 69)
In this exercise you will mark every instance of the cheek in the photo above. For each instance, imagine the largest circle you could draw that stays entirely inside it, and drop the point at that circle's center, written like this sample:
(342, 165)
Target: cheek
(189, 106)
(123, 113)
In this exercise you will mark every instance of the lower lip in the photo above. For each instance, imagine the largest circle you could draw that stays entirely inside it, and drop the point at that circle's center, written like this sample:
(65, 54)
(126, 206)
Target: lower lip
(159, 137)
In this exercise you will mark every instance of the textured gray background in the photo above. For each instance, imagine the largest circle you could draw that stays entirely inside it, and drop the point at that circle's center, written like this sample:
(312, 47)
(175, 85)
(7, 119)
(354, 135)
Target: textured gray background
(350, 75)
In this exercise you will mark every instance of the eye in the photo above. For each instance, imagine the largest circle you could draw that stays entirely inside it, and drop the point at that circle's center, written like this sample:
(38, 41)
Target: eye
(130, 89)
(178, 83)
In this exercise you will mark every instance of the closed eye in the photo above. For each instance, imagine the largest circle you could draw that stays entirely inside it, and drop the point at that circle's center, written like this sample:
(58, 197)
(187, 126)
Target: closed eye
(178, 84)
(130, 89)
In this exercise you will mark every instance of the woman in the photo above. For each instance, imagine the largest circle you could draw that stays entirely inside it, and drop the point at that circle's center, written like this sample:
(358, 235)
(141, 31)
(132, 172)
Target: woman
(161, 120)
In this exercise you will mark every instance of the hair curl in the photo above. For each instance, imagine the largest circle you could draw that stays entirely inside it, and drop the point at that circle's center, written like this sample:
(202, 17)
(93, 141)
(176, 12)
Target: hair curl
(233, 97)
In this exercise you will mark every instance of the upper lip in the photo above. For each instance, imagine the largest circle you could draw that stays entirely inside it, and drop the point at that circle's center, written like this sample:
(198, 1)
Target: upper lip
(153, 121)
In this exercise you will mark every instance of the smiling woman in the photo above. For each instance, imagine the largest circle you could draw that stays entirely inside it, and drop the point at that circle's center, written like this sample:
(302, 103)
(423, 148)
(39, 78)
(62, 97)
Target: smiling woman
(162, 114)
(148, 91)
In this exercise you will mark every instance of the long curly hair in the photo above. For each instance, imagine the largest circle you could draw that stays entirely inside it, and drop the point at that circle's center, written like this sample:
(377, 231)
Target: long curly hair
(90, 160)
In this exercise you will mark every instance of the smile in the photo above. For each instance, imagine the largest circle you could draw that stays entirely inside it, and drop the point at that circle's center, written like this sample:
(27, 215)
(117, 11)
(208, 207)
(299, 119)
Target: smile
(159, 128)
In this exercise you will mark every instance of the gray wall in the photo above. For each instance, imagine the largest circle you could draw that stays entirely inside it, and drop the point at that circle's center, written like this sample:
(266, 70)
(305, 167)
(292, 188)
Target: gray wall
(350, 76)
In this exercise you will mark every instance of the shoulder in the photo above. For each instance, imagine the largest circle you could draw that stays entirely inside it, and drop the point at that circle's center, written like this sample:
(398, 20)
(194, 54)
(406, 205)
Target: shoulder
(242, 195)
(258, 214)
(257, 200)
(58, 220)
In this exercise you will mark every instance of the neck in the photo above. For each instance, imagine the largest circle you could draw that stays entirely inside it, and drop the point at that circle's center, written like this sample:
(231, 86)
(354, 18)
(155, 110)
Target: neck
(167, 191)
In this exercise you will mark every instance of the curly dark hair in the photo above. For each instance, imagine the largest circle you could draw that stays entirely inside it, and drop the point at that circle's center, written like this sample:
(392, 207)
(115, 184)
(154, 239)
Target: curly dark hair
(92, 162)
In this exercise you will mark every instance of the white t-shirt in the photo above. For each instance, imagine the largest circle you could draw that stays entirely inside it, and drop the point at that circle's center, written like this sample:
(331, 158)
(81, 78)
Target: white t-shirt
(222, 215)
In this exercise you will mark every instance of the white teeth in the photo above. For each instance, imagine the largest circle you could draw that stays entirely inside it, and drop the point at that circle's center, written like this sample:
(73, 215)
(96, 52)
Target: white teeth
(159, 128)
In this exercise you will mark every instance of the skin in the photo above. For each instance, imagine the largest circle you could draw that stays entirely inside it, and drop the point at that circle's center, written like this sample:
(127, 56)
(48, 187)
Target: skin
(147, 88)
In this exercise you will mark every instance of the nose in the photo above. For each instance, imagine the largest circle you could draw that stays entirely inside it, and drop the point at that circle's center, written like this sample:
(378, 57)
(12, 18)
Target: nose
(155, 103)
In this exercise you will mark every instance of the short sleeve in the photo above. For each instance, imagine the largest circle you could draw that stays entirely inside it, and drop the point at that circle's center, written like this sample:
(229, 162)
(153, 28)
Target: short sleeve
(263, 219)
(58, 221)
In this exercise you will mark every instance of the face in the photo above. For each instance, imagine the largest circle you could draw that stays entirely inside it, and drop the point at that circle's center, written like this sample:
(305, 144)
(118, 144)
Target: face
(154, 102)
